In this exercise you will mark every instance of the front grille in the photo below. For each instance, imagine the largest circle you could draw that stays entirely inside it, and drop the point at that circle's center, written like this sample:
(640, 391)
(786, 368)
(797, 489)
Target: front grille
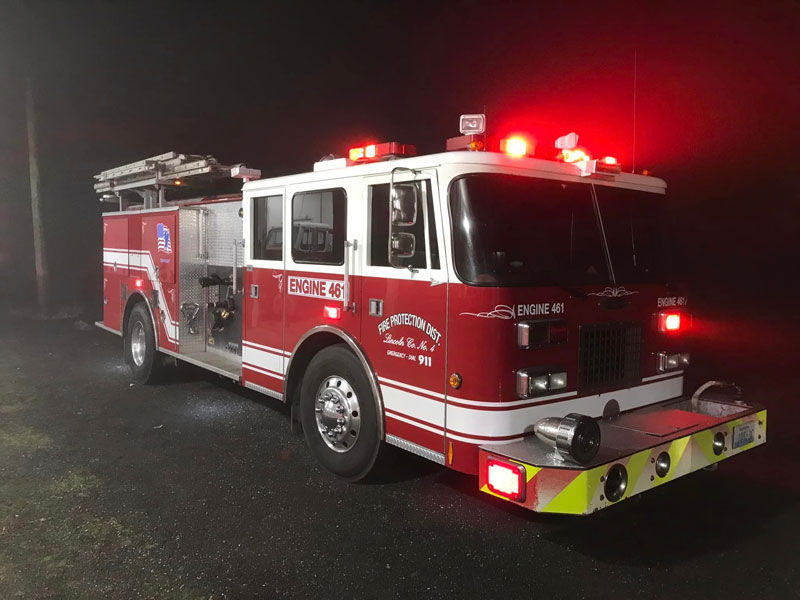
(610, 355)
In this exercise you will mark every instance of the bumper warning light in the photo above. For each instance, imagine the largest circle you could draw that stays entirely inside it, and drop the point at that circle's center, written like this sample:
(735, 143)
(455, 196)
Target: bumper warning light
(506, 479)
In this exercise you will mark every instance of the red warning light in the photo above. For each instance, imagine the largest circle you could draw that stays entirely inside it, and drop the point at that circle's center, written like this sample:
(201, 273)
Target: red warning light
(377, 151)
(506, 479)
(138, 283)
(669, 322)
(609, 160)
(333, 313)
(514, 146)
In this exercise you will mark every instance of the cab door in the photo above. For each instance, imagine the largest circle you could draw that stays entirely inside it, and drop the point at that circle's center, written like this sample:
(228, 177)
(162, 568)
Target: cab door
(322, 270)
(404, 293)
(263, 348)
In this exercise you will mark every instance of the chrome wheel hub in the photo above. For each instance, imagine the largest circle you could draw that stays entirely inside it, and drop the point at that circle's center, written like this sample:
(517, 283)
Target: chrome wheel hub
(338, 413)
(138, 343)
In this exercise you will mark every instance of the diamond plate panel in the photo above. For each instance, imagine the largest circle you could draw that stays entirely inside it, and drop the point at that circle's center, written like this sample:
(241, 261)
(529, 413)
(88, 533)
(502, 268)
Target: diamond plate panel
(192, 268)
(224, 226)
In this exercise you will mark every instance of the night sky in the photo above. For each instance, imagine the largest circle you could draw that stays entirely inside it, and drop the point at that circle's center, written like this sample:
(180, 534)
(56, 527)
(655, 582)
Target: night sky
(278, 85)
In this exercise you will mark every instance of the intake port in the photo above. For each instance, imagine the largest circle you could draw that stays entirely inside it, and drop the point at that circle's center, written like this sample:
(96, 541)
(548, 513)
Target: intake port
(616, 482)
(663, 464)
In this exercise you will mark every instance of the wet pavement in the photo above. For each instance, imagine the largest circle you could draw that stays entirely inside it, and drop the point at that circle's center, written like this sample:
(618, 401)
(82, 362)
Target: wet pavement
(198, 489)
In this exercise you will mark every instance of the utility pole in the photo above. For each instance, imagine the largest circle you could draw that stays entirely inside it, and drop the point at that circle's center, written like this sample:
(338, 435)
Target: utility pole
(39, 254)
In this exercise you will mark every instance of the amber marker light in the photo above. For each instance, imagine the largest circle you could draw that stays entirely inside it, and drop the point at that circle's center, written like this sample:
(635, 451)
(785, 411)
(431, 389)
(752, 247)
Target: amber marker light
(455, 381)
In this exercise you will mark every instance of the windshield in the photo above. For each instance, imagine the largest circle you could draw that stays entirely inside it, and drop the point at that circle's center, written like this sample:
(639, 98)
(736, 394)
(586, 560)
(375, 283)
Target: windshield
(515, 230)
(633, 222)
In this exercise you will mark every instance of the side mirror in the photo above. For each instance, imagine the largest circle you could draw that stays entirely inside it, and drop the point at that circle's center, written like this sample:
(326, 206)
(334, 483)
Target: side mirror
(404, 204)
(402, 246)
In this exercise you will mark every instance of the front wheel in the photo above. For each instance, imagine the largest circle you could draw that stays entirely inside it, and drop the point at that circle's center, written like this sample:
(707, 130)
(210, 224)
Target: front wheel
(141, 353)
(339, 415)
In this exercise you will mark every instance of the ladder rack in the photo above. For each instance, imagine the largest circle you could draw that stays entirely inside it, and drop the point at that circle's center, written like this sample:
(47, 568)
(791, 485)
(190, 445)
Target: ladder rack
(146, 181)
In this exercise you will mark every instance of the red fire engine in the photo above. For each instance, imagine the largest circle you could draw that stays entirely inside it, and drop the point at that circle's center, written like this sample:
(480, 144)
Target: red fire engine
(501, 314)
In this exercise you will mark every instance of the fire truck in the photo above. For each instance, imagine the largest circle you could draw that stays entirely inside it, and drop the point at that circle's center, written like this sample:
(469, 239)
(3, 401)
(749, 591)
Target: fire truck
(502, 311)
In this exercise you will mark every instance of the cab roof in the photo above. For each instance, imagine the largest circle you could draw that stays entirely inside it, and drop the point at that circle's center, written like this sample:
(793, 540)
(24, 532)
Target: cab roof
(465, 161)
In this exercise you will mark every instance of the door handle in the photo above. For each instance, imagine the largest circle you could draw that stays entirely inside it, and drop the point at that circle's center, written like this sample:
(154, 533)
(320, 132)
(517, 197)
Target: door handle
(346, 291)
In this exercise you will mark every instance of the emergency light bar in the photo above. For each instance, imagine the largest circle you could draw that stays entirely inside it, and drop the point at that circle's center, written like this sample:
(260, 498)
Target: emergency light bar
(514, 146)
(381, 151)
(571, 153)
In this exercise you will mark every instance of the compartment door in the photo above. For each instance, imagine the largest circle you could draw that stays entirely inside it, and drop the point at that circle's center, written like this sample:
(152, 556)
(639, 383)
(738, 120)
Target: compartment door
(115, 245)
(115, 268)
(158, 233)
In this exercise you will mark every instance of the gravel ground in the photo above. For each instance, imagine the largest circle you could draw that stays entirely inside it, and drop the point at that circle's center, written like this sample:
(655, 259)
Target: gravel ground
(198, 489)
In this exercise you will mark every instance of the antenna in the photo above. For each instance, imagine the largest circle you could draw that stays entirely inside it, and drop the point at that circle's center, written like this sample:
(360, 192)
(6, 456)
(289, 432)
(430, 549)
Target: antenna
(633, 151)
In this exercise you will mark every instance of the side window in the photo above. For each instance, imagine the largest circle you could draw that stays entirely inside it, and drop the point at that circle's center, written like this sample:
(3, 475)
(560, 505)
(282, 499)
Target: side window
(319, 226)
(268, 228)
(379, 228)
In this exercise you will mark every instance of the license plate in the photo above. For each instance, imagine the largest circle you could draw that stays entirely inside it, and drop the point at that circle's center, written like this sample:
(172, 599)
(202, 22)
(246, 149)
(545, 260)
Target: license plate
(744, 434)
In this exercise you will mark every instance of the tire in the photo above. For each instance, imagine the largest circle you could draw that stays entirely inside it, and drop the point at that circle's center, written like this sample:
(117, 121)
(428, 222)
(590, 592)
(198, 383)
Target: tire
(140, 350)
(344, 436)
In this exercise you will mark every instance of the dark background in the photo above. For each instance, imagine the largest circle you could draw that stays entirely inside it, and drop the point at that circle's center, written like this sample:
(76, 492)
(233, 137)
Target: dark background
(278, 85)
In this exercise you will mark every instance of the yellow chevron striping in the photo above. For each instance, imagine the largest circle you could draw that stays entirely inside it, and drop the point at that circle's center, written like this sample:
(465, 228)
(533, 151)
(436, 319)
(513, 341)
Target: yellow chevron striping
(636, 464)
(705, 442)
(677, 450)
(486, 489)
(530, 472)
(574, 499)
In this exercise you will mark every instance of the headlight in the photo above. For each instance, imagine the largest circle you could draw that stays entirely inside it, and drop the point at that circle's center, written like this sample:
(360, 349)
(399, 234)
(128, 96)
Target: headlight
(667, 362)
(535, 383)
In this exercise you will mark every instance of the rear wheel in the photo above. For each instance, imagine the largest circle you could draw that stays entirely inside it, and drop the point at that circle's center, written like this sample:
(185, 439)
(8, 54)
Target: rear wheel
(338, 413)
(141, 354)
